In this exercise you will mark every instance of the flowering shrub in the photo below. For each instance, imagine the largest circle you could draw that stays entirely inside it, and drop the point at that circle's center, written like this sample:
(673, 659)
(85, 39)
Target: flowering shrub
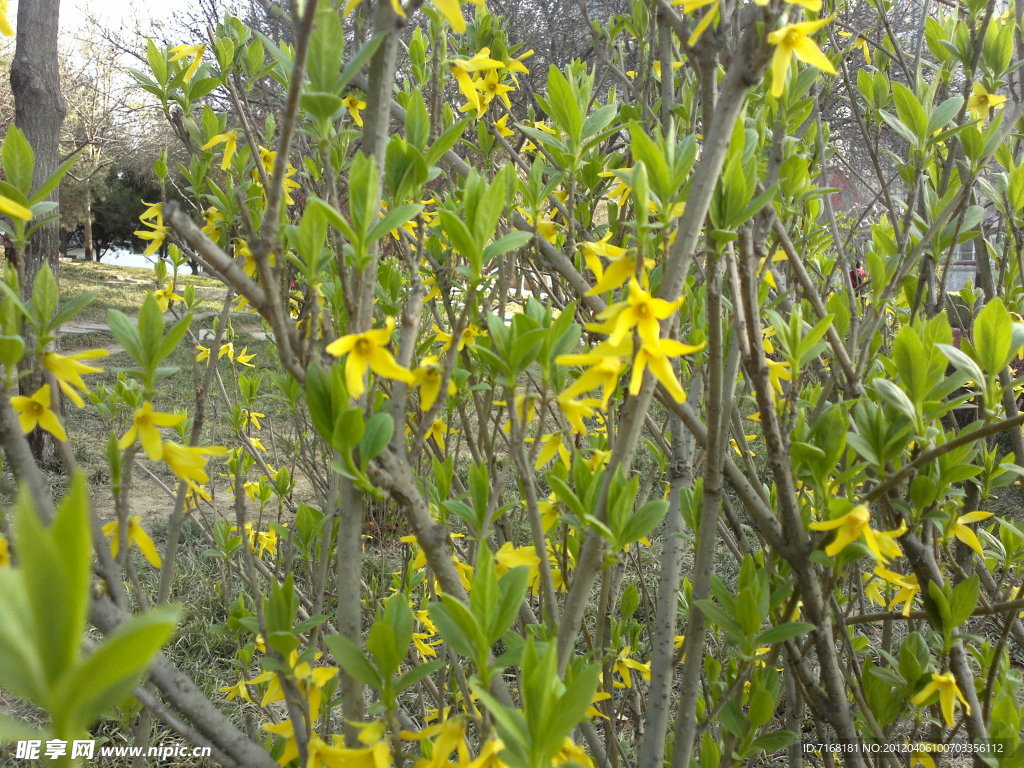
(536, 338)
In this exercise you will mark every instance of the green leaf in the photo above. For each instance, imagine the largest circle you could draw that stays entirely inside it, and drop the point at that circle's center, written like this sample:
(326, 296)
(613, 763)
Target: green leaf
(18, 159)
(282, 606)
(757, 204)
(570, 708)
(12, 348)
(363, 202)
(710, 750)
(598, 120)
(937, 607)
(542, 137)
(910, 111)
(562, 104)
(50, 183)
(326, 50)
(151, 330)
(993, 331)
(567, 495)
(783, 632)
(511, 590)
(489, 208)
(747, 611)
(393, 219)
(348, 430)
(73, 539)
(71, 307)
(13, 730)
(333, 217)
(913, 658)
(464, 512)
(1015, 188)
(912, 364)
(157, 62)
(376, 436)
(943, 113)
(716, 614)
(506, 243)
(484, 596)
(510, 723)
(357, 62)
(318, 398)
(44, 296)
(962, 363)
(1017, 336)
(883, 692)
(964, 600)
(55, 570)
(458, 627)
(480, 491)
(391, 634)
(111, 671)
(405, 170)
(12, 299)
(416, 674)
(862, 447)
(650, 154)
(811, 339)
(895, 397)
(417, 121)
(643, 521)
(313, 621)
(170, 342)
(201, 86)
(899, 127)
(461, 239)
(353, 661)
(761, 703)
(445, 141)
(21, 667)
(772, 742)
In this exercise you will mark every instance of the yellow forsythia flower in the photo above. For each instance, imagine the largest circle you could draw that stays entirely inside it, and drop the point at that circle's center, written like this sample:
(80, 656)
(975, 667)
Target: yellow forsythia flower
(144, 427)
(793, 40)
(136, 535)
(68, 370)
(34, 410)
(368, 350)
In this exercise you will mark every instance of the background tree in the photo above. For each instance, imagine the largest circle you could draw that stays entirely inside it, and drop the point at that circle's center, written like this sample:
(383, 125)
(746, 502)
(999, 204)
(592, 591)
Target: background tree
(39, 110)
(670, 206)
(117, 201)
(117, 134)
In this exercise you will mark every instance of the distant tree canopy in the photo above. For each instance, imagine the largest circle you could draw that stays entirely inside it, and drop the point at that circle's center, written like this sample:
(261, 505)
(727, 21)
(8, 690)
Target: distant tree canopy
(596, 428)
(117, 204)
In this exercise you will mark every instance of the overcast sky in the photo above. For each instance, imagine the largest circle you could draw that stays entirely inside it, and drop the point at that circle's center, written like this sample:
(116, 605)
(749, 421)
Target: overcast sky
(110, 13)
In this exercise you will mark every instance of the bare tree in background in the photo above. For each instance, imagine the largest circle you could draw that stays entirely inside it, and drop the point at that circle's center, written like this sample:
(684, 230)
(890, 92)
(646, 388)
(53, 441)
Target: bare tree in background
(557, 30)
(108, 125)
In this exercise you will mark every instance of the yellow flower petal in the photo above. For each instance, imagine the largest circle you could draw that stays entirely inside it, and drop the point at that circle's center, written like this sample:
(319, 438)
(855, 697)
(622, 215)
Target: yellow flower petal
(11, 208)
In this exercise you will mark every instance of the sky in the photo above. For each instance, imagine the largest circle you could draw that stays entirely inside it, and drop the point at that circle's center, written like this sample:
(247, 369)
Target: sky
(110, 13)
(114, 12)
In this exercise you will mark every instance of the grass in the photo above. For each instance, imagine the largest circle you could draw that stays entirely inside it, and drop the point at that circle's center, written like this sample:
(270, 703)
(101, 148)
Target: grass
(203, 646)
(122, 288)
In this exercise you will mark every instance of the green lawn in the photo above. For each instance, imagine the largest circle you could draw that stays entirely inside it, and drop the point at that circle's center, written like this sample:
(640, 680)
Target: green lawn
(123, 288)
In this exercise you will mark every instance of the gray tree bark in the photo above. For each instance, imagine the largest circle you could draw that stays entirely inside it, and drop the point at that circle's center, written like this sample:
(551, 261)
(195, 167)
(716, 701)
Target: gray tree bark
(90, 254)
(39, 111)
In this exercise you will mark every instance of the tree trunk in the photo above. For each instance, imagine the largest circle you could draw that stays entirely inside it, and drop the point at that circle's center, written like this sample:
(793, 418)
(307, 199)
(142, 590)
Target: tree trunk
(90, 254)
(39, 110)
